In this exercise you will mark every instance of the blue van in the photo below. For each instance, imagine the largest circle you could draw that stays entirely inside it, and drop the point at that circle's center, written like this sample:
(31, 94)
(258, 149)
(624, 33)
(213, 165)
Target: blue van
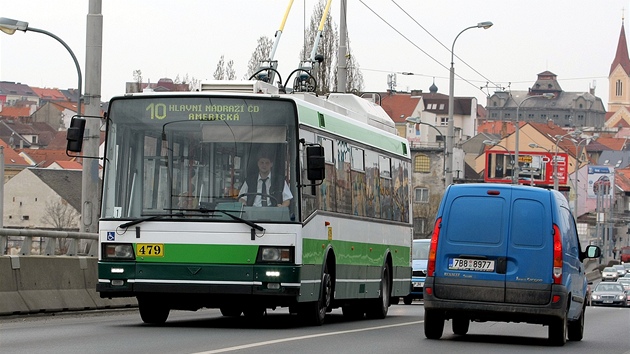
(506, 253)
(419, 257)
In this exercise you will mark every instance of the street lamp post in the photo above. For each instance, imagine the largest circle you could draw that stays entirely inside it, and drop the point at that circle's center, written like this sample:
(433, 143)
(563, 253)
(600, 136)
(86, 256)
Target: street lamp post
(517, 168)
(559, 138)
(451, 103)
(9, 26)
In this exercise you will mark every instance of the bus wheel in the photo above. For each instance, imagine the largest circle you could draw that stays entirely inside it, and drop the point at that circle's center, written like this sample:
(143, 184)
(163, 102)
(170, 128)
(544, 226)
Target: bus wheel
(314, 312)
(152, 311)
(254, 312)
(230, 311)
(378, 308)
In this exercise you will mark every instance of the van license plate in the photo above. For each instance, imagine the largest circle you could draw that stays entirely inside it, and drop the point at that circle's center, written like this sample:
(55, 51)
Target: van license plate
(478, 265)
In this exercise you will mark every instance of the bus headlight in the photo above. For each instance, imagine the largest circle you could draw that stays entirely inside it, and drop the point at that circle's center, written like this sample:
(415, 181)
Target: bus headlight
(117, 251)
(275, 254)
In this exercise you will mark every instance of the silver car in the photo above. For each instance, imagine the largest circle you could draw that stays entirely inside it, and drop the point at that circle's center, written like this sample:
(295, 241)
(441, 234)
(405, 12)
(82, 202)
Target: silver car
(621, 270)
(610, 274)
(609, 294)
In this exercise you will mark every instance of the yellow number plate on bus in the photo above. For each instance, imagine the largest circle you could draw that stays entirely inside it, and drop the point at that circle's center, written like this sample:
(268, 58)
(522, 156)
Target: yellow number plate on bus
(150, 250)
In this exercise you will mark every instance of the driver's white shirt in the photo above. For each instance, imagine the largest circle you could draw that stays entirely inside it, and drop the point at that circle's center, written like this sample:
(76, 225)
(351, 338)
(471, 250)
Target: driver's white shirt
(286, 192)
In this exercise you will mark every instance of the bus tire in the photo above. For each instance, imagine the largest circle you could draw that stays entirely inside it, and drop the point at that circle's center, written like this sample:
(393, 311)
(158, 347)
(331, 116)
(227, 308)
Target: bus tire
(152, 311)
(378, 308)
(314, 313)
(230, 311)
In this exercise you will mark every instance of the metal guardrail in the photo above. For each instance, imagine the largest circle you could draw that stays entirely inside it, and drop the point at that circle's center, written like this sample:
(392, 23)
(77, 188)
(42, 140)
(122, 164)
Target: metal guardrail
(20, 241)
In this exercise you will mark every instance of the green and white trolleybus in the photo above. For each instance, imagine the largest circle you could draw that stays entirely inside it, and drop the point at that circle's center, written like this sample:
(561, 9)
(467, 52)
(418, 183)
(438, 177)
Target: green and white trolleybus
(179, 229)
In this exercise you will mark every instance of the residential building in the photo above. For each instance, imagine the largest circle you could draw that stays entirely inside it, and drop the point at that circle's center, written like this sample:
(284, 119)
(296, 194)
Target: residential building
(43, 199)
(566, 109)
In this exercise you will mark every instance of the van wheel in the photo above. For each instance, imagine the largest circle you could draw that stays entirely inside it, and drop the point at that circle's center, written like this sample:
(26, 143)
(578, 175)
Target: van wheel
(377, 309)
(408, 300)
(433, 324)
(576, 328)
(460, 325)
(558, 331)
(152, 311)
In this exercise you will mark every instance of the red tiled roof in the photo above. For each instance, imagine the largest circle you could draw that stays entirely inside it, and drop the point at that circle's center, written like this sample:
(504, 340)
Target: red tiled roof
(69, 165)
(622, 179)
(45, 157)
(15, 112)
(496, 127)
(399, 106)
(616, 144)
(11, 157)
(49, 94)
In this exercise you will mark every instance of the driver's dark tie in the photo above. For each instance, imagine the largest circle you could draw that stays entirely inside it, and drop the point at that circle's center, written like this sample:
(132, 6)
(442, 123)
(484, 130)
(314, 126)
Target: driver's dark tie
(263, 190)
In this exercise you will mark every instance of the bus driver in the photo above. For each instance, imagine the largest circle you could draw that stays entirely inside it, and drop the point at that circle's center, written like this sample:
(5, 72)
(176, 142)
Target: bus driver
(268, 190)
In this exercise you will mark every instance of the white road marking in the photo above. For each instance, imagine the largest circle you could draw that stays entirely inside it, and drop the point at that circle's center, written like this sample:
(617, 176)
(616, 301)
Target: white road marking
(275, 341)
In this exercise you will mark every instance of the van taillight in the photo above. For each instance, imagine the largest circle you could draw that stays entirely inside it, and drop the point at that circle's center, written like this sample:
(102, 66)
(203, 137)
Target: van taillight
(557, 255)
(433, 248)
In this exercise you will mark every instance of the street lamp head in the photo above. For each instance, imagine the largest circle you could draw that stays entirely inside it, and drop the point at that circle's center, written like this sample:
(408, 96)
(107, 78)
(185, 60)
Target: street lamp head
(9, 26)
(533, 145)
(490, 142)
(414, 120)
(484, 25)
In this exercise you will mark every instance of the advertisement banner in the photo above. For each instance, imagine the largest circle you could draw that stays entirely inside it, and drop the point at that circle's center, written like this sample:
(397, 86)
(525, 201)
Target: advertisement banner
(601, 180)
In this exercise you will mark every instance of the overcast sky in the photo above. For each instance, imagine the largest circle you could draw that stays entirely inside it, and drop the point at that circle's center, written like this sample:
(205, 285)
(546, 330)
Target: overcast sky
(575, 39)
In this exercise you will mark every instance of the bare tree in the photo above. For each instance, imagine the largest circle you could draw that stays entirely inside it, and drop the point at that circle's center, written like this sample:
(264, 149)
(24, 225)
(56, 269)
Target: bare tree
(224, 71)
(326, 71)
(137, 78)
(60, 215)
(262, 52)
(220, 71)
(328, 43)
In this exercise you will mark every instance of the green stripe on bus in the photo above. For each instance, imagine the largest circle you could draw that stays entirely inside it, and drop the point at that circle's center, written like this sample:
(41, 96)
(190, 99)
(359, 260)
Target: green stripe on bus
(196, 253)
(354, 253)
(347, 129)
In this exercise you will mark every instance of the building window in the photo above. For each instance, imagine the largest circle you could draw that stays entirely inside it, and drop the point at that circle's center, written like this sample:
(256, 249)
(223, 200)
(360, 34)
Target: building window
(34, 139)
(507, 115)
(444, 121)
(418, 228)
(441, 106)
(618, 88)
(421, 195)
(422, 163)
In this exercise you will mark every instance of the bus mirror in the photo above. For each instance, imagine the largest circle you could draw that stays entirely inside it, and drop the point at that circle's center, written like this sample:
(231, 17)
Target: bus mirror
(315, 165)
(75, 135)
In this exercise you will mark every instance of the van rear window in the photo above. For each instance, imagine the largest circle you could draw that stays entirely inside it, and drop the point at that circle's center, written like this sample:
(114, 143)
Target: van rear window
(476, 220)
(528, 227)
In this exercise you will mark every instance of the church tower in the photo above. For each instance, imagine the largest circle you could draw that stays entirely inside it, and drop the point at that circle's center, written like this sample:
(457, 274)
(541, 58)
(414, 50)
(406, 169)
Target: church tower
(619, 76)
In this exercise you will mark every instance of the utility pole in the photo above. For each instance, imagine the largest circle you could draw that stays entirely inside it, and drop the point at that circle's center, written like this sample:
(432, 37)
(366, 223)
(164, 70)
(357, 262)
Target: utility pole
(90, 195)
(342, 68)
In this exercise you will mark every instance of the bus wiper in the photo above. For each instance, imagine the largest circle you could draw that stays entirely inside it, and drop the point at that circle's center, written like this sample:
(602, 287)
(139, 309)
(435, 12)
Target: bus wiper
(149, 218)
(251, 224)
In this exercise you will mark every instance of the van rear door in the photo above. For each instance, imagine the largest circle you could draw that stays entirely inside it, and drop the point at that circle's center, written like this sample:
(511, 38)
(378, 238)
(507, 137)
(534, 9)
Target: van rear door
(530, 248)
(472, 246)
